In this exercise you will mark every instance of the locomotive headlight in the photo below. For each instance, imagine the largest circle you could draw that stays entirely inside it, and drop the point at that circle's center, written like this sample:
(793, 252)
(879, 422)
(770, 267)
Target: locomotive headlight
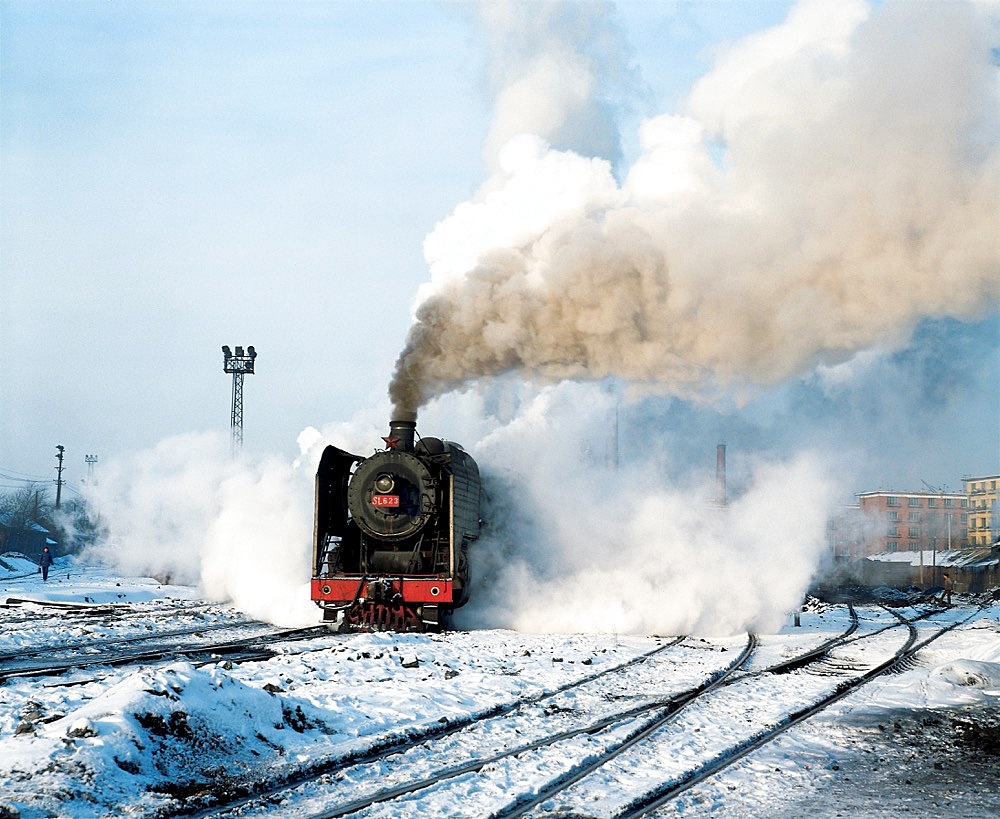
(384, 484)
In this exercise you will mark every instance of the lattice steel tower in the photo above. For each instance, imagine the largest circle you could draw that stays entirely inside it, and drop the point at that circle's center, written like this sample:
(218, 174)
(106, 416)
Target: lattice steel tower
(239, 364)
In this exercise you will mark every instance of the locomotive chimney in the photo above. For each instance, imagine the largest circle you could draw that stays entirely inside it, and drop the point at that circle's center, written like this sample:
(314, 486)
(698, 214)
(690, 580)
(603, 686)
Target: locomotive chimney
(720, 475)
(401, 435)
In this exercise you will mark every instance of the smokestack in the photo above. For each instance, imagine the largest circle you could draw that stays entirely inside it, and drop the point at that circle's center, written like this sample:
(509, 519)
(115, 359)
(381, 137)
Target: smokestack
(401, 435)
(720, 475)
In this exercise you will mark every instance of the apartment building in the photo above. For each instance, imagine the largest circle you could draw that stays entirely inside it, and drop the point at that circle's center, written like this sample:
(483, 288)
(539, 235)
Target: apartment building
(983, 511)
(913, 521)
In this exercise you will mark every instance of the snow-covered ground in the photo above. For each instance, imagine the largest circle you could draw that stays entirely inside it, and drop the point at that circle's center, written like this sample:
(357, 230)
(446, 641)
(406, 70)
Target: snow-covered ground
(114, 741)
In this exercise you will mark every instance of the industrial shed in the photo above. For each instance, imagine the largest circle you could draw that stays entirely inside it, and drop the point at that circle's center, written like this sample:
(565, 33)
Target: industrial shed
(972, 570)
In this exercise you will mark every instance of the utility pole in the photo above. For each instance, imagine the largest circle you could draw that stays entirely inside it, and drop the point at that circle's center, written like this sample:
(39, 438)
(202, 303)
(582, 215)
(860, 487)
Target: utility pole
(238, 364)
(59, 470)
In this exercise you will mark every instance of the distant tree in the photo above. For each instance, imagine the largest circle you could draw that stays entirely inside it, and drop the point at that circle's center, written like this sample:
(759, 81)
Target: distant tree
(30, 502)
(21, 510)
(73, 526)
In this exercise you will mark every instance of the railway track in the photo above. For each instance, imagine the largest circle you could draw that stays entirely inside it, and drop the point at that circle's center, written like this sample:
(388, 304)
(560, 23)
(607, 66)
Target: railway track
(428, 739)
(562, 756)
(143, 642)
(486, 741)
(680, 766)
(91, 618)
(551, 726)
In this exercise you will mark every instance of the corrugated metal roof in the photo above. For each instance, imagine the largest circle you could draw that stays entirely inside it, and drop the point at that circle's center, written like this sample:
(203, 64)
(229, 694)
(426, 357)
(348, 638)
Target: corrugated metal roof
(983, 564)
(957, 558)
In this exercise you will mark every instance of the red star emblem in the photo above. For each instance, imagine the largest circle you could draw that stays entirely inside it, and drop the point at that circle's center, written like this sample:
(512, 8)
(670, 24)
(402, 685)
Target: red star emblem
(391, 443)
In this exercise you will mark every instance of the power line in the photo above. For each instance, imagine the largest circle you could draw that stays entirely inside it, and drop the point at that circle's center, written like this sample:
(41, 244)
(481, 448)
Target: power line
(67, 486)
(13, 475)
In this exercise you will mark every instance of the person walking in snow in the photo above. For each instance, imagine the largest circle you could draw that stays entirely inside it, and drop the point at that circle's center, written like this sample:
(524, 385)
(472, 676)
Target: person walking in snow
(45, 562)
(946, 591)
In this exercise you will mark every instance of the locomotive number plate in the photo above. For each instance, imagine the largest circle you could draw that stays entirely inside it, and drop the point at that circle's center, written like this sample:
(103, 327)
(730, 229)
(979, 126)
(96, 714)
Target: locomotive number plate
(385, 500)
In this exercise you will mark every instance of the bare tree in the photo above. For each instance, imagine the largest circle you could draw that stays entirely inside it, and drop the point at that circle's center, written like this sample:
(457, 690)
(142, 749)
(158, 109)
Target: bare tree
(25, 519)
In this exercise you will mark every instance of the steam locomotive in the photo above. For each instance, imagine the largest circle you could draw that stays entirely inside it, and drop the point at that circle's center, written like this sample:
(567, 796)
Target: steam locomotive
(392, 532)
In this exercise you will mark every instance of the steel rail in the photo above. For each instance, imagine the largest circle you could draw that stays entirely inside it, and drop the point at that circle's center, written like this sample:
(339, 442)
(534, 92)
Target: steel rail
(76, 645)
(127, 657)
(675, 703)
(663, 710)
(519, 808)
(522, 805)
(658, 797)
(396, 743)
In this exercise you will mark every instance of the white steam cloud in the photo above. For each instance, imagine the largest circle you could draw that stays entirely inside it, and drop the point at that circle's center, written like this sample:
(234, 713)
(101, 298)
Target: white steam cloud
(833, 180)
(186, 512)
(573, 544)
(556, 69)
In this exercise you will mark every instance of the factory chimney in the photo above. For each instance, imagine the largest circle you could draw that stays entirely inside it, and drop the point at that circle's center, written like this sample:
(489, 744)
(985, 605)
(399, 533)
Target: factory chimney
(720, 475)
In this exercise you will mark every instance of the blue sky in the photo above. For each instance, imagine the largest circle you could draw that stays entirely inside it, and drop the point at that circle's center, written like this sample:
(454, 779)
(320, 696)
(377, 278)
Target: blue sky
(182, 175)
(179, 175)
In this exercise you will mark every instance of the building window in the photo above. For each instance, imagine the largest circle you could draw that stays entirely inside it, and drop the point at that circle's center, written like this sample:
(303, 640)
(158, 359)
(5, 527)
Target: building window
(914, 546)
(892, 500)
(893, 515)
(913, 501)
(892, 546)
(965, 503)
(931, 503)
(913, 517)
(914, 532)
(947, 503)
(892, 532)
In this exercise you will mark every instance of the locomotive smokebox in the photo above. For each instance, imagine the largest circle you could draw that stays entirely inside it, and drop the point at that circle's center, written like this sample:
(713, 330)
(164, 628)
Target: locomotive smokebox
(401, 435)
